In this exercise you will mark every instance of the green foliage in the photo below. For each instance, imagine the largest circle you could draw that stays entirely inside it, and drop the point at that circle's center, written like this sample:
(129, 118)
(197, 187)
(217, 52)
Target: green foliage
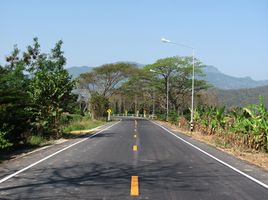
(173, 117)
(68, 118)
(105, 79)
(99, 105)
(81, 123)
(14, 118)
(174, 75)
(35, 90)
(4, 143)
(251, 121)
(35, 140)
(49, 89)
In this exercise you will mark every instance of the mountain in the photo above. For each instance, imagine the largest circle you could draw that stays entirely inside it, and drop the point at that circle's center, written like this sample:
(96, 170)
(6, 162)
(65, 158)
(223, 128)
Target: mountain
(241, 97)
(213, 76)
(76, 71)
(139, 65)
(223, 81)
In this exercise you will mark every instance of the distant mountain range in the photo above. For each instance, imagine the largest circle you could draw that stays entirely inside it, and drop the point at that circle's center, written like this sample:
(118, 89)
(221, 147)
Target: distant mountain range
(226, 82)
(241, 97)
(76, 71)
(213, 76)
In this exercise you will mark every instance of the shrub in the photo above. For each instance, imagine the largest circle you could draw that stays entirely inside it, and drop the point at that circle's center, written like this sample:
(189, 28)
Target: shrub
(4, 143)
(35, 140)
(173, 117)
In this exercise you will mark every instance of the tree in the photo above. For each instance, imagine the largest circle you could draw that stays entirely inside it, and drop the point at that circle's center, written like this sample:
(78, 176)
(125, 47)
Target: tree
(177, 71)
(137, 91)
(99, 105)
(14, 101)
(50, 88)
(106, 78)
(34, 91)
(103, 82)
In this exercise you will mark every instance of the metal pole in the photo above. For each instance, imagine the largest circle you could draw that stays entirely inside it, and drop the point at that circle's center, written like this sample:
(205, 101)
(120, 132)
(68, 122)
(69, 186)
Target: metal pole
(192, 110)
(153, 103)
(167, 98)
(192, 105)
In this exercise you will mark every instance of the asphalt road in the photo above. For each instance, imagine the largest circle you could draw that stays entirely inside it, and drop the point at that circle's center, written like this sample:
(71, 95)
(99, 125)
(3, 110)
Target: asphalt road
(134, 159)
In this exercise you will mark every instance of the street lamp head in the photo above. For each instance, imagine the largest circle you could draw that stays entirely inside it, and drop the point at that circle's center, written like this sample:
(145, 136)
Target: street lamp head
(165, 40)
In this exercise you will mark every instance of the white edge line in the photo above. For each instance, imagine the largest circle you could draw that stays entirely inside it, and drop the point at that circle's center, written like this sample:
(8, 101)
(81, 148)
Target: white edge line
(217, 159)
(57, 152)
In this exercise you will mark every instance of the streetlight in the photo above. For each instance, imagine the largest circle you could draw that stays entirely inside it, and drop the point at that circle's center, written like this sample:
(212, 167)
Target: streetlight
(151, 70)
(192, 107)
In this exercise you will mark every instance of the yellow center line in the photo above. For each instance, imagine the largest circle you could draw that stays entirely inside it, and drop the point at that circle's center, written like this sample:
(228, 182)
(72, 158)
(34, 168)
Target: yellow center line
(135, 148)
(134, 189)
(135, 136)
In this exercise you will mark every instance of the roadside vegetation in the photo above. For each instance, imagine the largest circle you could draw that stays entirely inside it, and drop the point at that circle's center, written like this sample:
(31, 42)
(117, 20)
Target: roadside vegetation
(135, 91)
(81, 123)
(39, 100)
(243, 128)
(37, 103)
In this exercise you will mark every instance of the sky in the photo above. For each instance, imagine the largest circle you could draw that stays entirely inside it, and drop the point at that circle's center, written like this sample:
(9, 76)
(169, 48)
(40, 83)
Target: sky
(231, 35)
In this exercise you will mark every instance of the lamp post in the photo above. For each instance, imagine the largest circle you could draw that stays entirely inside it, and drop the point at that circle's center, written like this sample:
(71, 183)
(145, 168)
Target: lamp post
(153, 103)
(193, 62)
(151, 70)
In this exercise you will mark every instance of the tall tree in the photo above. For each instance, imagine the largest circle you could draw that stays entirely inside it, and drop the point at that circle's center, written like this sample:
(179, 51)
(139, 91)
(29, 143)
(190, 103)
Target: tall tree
(103, 81)
(175, 74)
(137, 91)
(50, 86)
(106, 78)
(14, 101)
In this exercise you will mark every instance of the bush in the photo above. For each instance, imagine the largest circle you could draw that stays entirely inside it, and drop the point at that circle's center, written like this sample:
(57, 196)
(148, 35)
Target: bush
(69, 118)
(173, 117)
(35, 140)
(4, 143)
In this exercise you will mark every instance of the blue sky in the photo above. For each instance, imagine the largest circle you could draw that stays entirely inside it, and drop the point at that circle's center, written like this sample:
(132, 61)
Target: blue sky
(229, 34)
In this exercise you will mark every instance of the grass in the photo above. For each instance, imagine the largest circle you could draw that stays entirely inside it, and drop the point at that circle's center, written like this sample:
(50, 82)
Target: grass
(35, 140)
(82, 124)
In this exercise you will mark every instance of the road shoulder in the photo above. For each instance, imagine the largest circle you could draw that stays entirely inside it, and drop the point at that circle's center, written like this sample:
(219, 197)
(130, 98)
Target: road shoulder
(244, 166)
(25, 159)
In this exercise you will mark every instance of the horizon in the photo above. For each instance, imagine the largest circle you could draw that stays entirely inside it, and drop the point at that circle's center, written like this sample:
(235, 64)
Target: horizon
(232, 36)
(146, 64)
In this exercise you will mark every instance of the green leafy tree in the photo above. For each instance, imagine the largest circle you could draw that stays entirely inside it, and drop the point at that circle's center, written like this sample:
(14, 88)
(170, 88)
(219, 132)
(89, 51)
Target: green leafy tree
(14, 117)
(34, 91)
(137, 92)
(175, 73)
(105, 79)
(99, 105)
(50, 87)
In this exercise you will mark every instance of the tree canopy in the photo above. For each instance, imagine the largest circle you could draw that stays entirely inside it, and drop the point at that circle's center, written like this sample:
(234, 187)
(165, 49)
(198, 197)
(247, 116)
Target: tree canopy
(34, 90)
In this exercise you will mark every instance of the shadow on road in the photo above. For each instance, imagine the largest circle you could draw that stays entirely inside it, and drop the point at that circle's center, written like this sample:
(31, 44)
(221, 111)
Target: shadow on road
(92, 177)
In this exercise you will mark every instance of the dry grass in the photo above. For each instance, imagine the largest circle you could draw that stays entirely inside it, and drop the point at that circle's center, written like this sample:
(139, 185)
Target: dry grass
(259, 159)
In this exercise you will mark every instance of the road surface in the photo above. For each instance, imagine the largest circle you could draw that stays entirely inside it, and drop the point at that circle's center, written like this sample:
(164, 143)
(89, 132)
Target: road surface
(133, 159)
